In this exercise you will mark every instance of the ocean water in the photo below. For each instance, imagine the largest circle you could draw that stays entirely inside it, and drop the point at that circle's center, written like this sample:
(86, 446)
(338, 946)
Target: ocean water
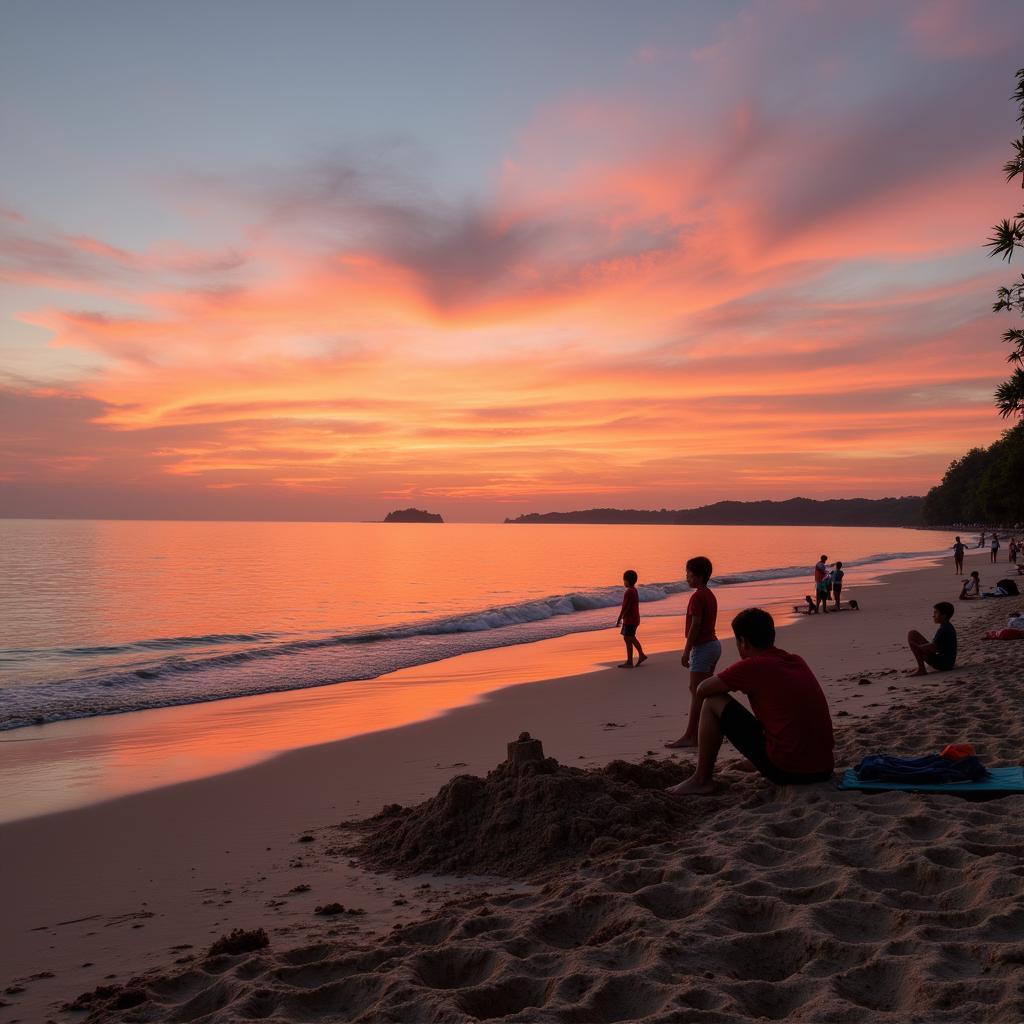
(100, 617)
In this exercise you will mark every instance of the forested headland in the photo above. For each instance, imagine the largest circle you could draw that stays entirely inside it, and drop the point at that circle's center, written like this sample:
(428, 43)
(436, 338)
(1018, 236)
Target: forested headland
(793, 512)
(985, 486)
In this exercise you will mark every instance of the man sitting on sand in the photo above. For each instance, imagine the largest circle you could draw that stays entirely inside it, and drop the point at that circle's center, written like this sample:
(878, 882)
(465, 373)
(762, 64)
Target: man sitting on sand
(940, 653)
(788, 738)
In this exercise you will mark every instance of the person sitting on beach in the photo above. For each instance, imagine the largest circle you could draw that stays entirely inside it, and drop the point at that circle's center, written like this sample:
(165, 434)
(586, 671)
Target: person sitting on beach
(1014, 629)
(971, 588)
(702, 648)
(788, 738)
(629, 619)
(940, 652)
(958, 555)
(837, 583)
(821, 584)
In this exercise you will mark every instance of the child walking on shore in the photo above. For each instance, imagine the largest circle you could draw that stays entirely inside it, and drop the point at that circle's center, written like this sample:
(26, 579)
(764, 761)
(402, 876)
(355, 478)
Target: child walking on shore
(702, 648)
(629, 620)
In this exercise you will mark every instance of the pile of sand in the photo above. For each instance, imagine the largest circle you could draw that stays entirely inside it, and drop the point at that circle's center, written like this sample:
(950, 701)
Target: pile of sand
(529, 820)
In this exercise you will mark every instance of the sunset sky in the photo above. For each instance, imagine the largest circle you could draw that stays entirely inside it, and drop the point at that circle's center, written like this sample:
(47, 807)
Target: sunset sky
(318, 260)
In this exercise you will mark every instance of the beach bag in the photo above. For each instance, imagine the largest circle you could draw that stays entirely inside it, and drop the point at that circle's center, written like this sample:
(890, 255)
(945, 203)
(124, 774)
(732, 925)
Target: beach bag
(1008, 587)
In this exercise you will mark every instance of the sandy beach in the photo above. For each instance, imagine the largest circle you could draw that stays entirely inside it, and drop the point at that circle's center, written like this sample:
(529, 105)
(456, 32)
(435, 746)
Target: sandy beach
(806, 904)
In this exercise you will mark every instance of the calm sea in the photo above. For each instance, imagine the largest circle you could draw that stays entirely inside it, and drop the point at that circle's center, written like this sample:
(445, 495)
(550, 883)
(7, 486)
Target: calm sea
(98, 617)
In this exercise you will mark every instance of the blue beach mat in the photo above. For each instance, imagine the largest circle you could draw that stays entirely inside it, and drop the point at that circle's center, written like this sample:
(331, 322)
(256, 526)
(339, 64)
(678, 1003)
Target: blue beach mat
(1000, 780)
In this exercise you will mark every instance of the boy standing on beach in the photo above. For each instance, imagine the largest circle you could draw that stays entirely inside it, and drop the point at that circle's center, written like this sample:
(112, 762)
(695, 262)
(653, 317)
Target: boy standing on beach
(629, 619)
(821, 585)
(702, 648)
(958, 555)
(941, 652)
(837, 584)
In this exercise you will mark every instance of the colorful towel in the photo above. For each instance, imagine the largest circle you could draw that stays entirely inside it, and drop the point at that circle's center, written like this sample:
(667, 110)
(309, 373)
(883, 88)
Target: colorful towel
(1000, 780)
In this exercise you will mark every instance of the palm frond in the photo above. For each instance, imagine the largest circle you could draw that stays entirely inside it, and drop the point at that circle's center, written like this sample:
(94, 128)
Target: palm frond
(1009, 395)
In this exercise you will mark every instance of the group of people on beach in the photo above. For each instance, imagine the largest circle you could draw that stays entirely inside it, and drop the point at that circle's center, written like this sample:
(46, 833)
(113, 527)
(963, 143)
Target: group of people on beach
(787, 735)
(1015, 547)
(970, 589)
(828, 586)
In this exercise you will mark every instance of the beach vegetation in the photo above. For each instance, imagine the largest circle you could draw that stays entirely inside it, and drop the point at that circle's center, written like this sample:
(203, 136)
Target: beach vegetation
(1007, 236)
(983, 486)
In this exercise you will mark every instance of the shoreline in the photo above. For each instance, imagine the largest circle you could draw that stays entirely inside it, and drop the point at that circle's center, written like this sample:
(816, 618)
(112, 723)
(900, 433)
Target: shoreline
(63, 765)
(118, 885)
(97, 670)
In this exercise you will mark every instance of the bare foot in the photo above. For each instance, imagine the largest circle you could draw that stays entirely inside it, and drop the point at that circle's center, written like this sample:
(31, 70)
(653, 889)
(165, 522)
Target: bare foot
(691, 787)
(625, 664)
(641, 659)
(917, 672)
(684, 742)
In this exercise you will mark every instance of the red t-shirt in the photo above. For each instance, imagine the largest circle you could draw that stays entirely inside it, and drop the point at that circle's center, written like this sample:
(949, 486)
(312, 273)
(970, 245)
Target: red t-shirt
(704, 604)
(787, 700)
(630, 607)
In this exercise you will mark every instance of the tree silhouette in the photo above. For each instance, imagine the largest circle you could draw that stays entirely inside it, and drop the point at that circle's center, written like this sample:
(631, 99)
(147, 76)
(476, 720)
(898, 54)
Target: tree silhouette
(1007, 236)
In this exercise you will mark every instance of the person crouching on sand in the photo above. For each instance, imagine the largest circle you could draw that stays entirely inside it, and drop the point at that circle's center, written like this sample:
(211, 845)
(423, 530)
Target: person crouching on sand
(788, 738)
(940, 653)
(702, 648)
(629, 619)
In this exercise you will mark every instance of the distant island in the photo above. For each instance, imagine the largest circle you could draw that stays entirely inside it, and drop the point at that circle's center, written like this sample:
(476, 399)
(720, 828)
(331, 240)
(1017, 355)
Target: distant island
(412, 515)
(794, 512)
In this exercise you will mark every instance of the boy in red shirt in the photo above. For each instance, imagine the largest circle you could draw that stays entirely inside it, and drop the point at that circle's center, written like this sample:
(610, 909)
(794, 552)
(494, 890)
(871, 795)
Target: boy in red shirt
(788, 738)
(702, 648)
(629, 619)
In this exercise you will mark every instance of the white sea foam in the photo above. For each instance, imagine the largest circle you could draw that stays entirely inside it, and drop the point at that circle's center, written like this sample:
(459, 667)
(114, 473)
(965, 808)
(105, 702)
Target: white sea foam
(194, 669)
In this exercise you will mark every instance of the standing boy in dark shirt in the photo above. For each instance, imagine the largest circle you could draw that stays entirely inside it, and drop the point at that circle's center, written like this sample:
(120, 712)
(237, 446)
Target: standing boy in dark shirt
(941, 652)
(837, 585)
(629, 619)
(958, 555)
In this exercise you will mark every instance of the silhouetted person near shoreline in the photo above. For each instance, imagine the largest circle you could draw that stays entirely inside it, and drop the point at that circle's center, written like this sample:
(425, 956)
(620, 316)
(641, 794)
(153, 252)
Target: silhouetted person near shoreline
(629, 619)
(821, 578)
(958, 555)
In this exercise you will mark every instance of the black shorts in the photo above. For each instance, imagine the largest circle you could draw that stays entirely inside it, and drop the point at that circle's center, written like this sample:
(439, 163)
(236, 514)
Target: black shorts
(630, 629)
(939, 666)
(746, 734)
